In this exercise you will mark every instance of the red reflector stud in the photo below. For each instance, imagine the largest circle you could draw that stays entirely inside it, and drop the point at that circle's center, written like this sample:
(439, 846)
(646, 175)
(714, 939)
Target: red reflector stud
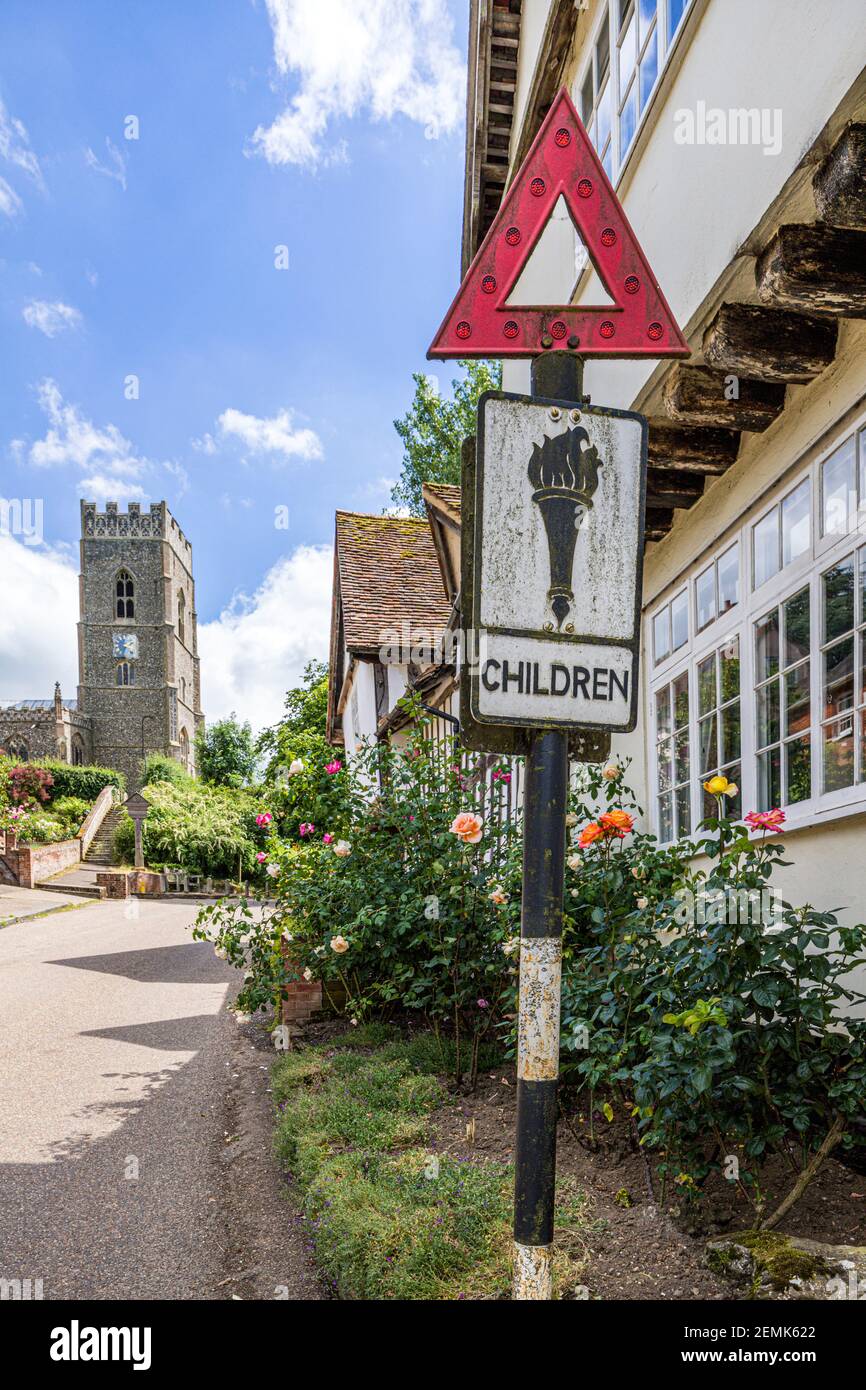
(512, 236)
(608, 237)
(562, 137)
(463, 329)
(488, 284)
(606, 329)
(558, 329)
(511, 330)
(537, 187)
(584, 188)
(632, 284)
(654, 332)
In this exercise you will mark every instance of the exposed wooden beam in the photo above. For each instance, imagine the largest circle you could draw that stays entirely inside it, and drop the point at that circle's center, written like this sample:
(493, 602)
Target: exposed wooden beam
(840, 183)
(815, 268)
(765, 344)
(678, 448)
(699, 396)
(659, 521)
(667, 489)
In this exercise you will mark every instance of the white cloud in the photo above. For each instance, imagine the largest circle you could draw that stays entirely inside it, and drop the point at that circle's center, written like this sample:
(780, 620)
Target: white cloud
(72, 438)
(10, 203)
(383, 57)
(50, 316)
(257, 649)
(15, 146)
(266, 436)
(114, 168)
(38, 630)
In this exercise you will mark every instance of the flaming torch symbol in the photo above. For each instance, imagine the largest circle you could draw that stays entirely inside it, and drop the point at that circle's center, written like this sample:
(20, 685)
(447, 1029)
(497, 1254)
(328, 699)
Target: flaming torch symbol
(564, 475)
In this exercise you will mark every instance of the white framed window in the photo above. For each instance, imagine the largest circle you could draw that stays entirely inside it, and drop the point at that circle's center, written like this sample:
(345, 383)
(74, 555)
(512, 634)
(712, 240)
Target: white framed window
(717, 588)
(612, 96)
(673, 758)
(843, 486)
(596, 99)
(783, 696)
(719, 744)
(671, 627)
(783, 534)
(773, 672)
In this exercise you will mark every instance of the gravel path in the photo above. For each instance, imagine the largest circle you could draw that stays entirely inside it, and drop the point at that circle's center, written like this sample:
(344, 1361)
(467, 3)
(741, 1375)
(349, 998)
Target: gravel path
(134, 1117)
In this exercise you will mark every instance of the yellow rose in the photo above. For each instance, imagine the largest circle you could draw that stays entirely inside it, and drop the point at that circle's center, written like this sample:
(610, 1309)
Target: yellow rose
(720, 786)
(339, 944)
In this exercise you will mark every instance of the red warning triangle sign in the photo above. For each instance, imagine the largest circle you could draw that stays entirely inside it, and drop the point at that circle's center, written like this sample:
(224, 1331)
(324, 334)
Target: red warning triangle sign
(637, 322)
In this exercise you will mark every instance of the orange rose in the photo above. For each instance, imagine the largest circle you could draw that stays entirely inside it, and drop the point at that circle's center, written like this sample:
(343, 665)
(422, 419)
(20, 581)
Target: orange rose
(590, 834)
(468, 827)
(617, 823)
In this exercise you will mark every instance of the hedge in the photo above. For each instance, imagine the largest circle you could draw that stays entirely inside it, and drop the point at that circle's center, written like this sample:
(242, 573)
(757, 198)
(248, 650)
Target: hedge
(85, 783)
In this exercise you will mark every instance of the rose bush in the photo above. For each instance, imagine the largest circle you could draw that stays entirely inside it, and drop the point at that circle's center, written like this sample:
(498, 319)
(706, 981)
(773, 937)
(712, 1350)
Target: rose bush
(712, 1015)
(399, 902)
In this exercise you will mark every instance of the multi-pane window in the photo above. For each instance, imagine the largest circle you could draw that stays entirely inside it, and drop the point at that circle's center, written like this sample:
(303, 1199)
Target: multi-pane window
(783, 534)
(639, 34)
(596, 101)
(717, 588)
(719, 732)
(672, 758)
(124, 595)
(637, 59)
(783, 707)
(843, 673)
(125, 673)
(843, 485)
(671, 627)
(795, 735)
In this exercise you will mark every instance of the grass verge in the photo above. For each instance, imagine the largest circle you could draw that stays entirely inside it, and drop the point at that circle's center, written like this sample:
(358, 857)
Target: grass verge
(389, 1217)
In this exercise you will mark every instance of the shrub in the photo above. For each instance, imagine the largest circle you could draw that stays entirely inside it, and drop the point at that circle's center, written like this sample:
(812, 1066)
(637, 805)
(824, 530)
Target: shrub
(84, 782)
(203, 829)
(398, 911)
(159, 768)
(29, 785)
(71, 811)
(722, 1033)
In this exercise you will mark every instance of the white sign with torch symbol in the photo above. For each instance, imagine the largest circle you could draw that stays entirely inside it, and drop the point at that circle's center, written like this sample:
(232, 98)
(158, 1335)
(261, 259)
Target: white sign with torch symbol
(557, 563)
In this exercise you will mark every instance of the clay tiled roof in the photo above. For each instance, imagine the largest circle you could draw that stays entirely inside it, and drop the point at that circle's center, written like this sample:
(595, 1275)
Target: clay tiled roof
(447, 495)
(389, 575)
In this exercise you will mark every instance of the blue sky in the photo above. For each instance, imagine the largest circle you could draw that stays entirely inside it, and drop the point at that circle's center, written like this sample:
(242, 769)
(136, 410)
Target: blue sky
(327, 127)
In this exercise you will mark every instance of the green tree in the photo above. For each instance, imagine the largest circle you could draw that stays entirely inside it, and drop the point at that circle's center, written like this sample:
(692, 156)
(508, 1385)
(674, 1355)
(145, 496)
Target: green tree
(305, 719)
(226, 752)
(433, 429)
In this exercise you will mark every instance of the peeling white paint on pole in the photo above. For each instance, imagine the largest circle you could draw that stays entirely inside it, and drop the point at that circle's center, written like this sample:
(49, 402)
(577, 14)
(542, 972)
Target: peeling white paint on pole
(538, 1018)
(532, 1275)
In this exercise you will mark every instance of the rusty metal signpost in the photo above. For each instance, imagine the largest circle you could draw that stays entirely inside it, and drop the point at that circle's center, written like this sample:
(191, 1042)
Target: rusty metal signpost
(552, 570)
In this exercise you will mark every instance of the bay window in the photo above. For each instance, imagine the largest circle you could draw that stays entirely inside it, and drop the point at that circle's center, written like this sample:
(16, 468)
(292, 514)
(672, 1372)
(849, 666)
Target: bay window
(765, 683)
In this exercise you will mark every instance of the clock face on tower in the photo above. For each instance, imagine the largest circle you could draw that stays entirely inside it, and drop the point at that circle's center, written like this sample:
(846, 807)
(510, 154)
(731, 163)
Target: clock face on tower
(125, 645)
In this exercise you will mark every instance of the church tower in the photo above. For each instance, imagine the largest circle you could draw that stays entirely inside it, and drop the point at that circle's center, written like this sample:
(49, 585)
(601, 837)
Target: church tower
(138, 665)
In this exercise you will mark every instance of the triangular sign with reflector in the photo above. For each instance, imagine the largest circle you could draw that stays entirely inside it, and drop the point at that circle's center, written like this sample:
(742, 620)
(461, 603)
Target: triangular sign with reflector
(636, 323)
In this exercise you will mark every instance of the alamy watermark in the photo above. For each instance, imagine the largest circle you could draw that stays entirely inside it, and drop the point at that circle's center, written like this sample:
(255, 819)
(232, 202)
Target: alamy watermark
(730, 906)
(22, 517)
(737, 126)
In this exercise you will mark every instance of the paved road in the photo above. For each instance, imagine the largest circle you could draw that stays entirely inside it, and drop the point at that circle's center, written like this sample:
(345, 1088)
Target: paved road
(118, 1062)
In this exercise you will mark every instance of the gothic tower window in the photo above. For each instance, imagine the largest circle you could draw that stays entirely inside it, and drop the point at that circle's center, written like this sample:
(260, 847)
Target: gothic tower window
(184, 747)
(125, 673)
(181, 614)
(77, 750)
(124, 606)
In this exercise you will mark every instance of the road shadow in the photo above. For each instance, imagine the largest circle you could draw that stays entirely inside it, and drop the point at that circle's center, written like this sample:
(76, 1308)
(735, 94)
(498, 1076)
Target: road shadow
(191, 962)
